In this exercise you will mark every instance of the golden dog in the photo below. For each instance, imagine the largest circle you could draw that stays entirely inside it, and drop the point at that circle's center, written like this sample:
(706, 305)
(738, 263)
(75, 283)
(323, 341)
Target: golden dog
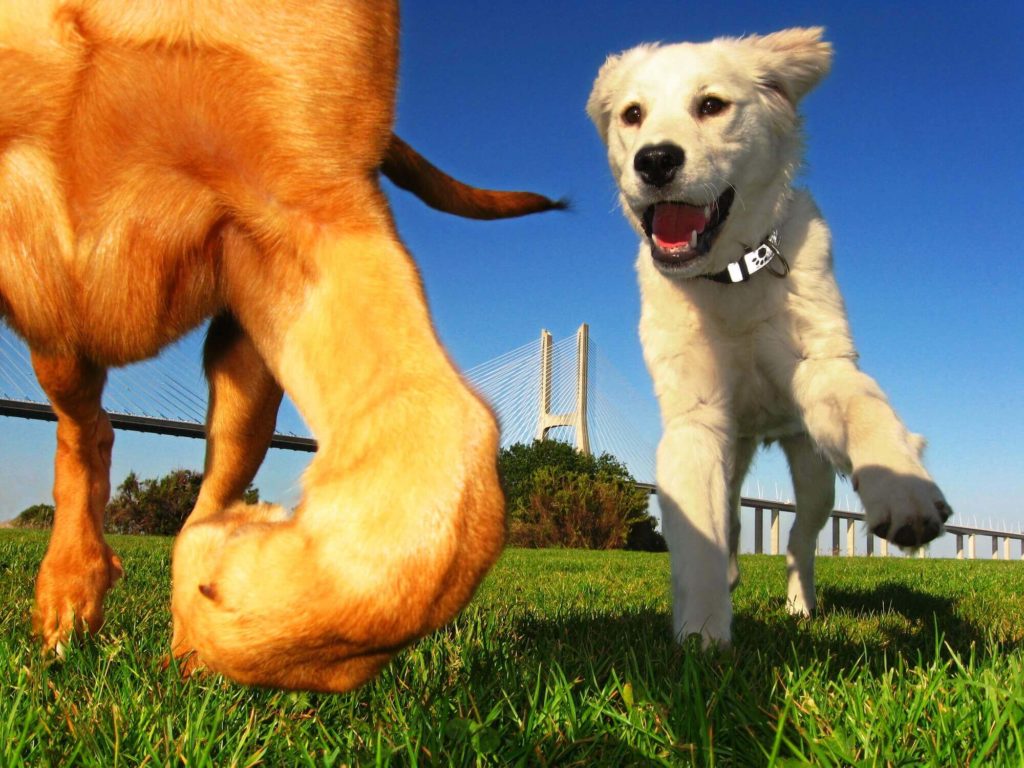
(163, 162)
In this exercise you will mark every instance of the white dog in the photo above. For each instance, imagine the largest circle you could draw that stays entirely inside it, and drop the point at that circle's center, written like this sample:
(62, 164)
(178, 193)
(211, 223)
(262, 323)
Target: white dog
(742, 324)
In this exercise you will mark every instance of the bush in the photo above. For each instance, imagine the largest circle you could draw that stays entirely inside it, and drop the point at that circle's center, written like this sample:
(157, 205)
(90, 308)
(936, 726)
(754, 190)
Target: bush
(518, 463)
(36, 516)
(559, 497)
(645, 537)
(158, 506)
(577, 510)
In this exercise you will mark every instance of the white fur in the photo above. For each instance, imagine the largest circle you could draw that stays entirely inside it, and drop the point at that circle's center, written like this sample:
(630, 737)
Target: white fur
(768, 359)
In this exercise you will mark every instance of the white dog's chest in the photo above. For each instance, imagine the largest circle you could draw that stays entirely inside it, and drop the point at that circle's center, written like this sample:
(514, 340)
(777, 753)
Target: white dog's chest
(732, 357)
(762, 409)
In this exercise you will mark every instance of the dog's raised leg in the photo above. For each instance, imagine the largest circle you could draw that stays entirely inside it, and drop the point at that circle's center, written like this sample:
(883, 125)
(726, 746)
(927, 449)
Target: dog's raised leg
(814, 482)
(850, 419)
(79, 566)
(694, 497)
(244, 400)
(401, 514)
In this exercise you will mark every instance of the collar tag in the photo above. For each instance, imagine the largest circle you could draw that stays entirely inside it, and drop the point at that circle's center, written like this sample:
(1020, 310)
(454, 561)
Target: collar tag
(754, 261)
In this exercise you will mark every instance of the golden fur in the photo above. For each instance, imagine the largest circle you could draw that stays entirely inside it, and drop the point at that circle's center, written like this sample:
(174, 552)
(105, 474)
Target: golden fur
(163, 162)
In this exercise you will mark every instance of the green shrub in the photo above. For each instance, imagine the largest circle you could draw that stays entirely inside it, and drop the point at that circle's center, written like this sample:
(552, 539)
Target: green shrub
(158, 506)
(154, 506)
(36, 516)
(559, 497)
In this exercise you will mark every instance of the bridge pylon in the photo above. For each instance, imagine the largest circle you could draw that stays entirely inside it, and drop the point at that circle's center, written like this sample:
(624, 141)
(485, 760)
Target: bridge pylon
(577, 418)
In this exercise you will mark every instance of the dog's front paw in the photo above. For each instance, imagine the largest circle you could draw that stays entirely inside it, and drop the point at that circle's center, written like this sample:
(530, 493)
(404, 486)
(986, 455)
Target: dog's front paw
(714, 628)
(907, 509)
(317, 601)
(198, 549)
(69, 593)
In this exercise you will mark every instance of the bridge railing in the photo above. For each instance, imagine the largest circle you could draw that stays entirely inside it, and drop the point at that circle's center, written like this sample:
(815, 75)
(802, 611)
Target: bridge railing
(1001, 540)
(963, 533)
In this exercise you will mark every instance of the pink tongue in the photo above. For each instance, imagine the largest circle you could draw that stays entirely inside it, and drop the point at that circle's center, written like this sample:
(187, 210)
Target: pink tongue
(673, 223)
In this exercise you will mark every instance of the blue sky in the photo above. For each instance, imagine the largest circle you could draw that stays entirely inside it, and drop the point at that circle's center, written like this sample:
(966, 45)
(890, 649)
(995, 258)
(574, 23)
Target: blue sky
(913, 154)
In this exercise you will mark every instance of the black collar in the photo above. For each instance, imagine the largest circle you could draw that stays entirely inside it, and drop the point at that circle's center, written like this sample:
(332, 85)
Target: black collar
(754, 261)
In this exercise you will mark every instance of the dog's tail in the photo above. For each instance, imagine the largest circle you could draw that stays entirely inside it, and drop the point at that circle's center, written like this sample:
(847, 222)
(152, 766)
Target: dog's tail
(410, 171)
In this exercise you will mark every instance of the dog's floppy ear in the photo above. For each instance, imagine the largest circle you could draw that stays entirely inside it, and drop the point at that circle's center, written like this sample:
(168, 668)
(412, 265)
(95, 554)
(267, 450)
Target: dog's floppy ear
(599, 105)
(793, 60)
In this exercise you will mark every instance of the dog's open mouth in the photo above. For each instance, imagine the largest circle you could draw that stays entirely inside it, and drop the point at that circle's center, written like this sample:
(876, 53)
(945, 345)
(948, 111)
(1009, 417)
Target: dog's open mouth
(681, 232)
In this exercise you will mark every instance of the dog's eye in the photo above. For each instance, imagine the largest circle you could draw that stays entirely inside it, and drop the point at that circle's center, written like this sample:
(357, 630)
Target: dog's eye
(633, 115)
(711, 106)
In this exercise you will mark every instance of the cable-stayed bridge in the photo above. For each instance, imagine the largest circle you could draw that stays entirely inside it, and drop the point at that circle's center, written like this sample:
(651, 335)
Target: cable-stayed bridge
(567, 390)
(545, 389)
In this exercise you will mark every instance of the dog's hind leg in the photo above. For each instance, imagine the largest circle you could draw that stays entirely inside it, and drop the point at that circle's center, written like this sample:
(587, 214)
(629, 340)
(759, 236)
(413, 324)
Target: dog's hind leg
(401, 514)
(814, 482)
(745, 448)
(244, 400)
(79, 566)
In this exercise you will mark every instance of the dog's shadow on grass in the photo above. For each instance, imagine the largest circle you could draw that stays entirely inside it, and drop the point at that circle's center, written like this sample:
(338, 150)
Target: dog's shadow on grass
(888, 626)
(902, 619)
(890, 621)
(682, 693)
(882, 624)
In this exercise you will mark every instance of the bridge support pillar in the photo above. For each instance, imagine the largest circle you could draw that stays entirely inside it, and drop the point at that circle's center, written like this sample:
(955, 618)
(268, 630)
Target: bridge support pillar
(577, 419)
(775, 531)
(758, 531)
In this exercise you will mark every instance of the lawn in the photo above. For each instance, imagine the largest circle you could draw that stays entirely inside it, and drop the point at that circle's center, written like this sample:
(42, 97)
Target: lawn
(563, 658)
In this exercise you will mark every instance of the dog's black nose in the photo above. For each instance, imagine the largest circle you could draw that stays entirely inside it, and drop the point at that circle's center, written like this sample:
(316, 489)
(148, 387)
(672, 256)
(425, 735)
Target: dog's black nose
(657, 164)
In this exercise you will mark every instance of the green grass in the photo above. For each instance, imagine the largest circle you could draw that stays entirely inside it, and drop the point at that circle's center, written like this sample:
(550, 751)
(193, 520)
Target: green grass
(564, 658)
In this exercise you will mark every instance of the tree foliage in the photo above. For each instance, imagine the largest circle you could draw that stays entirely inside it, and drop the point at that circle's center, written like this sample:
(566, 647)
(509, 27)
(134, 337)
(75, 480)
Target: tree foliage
(36, 516)
(158, 506)
(154, 506)
(557, 496)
